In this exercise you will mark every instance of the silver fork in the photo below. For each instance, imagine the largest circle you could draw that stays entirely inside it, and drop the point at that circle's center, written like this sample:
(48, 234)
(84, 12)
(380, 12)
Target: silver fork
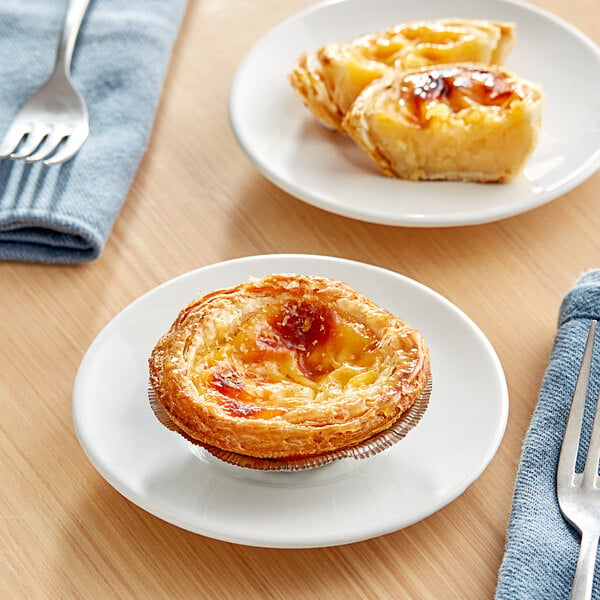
(53, 124)
(578, 493)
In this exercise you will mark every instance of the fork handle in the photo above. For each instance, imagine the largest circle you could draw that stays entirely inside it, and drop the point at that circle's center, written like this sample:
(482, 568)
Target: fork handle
(584, 572)
(73, 18)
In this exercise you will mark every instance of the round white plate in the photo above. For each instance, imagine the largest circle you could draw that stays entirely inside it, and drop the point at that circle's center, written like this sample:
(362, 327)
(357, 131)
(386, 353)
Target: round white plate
(346, 501)
(325, 169)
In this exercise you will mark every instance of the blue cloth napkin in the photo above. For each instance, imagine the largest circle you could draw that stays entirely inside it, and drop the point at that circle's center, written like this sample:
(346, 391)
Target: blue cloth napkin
(64, 213)
(541, 548)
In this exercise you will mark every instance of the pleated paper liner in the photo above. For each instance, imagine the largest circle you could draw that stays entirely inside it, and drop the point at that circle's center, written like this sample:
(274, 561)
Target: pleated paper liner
(370, 447)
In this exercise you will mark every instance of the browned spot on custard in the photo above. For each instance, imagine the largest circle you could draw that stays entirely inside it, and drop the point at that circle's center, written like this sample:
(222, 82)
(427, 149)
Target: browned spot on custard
(234, 397)
(228, 382)
(456, 87)
(241, 409)
(304, 327)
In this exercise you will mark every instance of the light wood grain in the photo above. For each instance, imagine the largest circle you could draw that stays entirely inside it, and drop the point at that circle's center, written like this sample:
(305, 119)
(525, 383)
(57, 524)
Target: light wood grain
(66, 533)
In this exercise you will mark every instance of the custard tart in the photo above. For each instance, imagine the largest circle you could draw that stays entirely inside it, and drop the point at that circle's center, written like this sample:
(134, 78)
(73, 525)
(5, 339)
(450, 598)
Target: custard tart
(329, 82)
(465, 122)
(287, 366)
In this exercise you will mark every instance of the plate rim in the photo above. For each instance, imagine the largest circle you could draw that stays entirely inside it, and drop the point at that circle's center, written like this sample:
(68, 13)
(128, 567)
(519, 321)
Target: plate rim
(336, 538)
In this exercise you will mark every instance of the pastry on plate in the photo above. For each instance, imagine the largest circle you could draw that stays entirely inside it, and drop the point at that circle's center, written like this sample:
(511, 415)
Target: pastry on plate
(329, 82)
(466, 122)
(287, 366)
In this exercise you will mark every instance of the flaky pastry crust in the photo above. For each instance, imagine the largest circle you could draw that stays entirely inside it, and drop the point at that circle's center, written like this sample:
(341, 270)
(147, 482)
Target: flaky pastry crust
(329, 82)
(287, 366)
(465, 122)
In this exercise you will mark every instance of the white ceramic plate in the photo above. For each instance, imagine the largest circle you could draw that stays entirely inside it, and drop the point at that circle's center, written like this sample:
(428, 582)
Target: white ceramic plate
(340, 503)
(327, 170)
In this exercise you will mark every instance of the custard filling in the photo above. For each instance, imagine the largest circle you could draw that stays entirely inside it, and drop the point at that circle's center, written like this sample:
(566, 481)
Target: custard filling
(283, 356)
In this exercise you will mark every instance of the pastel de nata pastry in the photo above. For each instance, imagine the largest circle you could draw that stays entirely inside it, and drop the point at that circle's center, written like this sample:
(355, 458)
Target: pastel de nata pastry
(465, 122)
(287, 366)
(329, 83)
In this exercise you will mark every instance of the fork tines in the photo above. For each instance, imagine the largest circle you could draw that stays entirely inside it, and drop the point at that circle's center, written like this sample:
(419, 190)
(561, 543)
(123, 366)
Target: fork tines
(578, 493)
(571, 441)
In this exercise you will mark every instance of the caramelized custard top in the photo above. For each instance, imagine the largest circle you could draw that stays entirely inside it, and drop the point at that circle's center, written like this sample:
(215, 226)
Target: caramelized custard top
(303, 344)
(457, 87)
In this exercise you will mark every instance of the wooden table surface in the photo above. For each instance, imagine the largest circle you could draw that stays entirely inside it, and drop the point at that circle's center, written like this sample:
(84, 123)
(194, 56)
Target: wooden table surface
(197, 199)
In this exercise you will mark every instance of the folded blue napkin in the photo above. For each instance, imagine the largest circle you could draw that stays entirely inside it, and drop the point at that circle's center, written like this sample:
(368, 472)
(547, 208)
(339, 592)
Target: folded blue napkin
(64, 213)
(541, 548)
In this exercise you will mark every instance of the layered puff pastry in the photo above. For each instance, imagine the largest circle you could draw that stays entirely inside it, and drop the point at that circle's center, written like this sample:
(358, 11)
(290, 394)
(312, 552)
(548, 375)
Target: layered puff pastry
(465, 122)
(287, 366)
(329, 83)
